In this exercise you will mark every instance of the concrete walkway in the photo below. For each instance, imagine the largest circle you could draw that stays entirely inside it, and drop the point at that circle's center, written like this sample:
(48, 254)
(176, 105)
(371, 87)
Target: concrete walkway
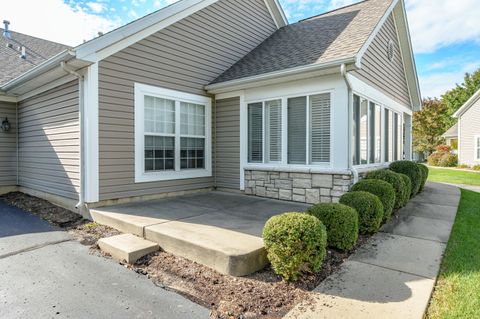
(44, 273)
(394, 275)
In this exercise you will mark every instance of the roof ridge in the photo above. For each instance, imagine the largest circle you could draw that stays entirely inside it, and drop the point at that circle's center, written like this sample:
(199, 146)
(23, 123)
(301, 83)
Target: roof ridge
(337, 9)
(34, 37)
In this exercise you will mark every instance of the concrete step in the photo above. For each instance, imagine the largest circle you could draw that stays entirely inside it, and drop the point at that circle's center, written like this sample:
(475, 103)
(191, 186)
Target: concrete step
(229, 252)
(127, 247)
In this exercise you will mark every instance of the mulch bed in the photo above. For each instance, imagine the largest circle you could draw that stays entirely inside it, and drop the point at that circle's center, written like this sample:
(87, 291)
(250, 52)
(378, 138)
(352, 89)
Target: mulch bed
(261, 295)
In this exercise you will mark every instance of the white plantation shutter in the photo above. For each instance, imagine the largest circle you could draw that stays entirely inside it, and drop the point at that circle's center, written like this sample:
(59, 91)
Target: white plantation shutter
(255, 133)
(297, 130)
(320, 124)
(274, 130)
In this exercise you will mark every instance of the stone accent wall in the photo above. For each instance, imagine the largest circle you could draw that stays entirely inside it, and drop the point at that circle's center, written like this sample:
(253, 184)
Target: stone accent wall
(311, 188)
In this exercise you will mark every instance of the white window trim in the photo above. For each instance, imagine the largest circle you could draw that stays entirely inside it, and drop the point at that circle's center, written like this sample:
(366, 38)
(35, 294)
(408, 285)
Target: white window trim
(141, 90)
(383, 108)
(284, 163)
(475, 149)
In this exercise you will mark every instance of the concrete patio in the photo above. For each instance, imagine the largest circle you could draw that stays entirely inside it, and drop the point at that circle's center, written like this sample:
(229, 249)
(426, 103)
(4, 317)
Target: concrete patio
(392, 276)
(220, 230)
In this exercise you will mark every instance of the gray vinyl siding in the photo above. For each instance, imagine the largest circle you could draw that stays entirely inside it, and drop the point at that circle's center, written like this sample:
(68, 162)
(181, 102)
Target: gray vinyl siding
(185, 56)
(227, 143)
(8, 146)
(377, 70)
(469, 127)
(49, 141)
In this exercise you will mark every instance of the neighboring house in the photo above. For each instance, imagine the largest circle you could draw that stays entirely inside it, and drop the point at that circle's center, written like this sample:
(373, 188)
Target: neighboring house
(469, 131)
(451, 137)
(214, 94)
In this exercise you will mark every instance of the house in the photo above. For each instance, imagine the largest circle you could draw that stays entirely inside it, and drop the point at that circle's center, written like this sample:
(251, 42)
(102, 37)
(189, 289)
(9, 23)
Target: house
(468, 133)
(210, 94)
(451, 137)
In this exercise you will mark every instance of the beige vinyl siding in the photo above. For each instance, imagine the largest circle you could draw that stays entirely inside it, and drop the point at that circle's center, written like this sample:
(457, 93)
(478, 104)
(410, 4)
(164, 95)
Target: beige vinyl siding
(377, 70)
(49, 141)
(185, 56)
(8, 145)
(469, 127)
(227, 143)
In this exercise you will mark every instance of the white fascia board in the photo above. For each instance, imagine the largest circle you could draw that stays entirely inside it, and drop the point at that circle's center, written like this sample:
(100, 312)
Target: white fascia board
(283, 75)
(373, 35)
(467, 105)
(366, 90)
(123, 37)
(7, 98)
(277, 13)
(90, 135)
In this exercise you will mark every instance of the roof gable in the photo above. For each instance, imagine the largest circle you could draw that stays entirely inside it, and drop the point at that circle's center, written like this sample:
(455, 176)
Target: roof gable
(471, 101)
(37, 52)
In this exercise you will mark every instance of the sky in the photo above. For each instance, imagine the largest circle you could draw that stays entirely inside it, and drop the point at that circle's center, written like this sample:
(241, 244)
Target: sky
(445, 33)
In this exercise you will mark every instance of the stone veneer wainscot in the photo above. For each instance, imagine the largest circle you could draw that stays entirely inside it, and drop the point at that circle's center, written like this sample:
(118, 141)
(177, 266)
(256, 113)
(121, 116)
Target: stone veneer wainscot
(302, 187)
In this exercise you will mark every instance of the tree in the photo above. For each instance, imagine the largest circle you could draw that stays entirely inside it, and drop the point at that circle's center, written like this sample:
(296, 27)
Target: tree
(429, 124)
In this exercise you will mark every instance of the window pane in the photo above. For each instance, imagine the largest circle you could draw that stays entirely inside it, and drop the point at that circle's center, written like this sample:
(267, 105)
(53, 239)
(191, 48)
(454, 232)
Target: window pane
(387, 136)
(363, 131)
(273, 132)
(192, 119)
(297, 130)
(255, 133)
(395, 137)
(320, 123)
(192, 153)
(390, 137)
(356, 130)
(159, 153)
(378, 134)
(159, 115)
(371, 132)
(375, 130)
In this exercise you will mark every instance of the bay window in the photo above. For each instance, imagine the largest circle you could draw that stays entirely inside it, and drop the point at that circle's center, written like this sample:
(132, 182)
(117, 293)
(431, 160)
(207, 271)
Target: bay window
(292, 130)
(172, 134)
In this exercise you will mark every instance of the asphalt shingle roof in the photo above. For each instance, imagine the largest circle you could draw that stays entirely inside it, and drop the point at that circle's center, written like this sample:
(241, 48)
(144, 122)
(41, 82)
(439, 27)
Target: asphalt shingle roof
(37, 51)
(332, 36)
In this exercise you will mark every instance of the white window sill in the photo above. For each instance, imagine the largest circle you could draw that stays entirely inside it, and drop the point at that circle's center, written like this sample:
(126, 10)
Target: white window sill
(172, 175)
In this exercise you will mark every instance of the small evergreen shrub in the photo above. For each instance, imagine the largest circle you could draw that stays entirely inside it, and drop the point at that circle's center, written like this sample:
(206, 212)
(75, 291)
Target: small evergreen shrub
(424, 170)
(463, 166)
(410, 169)
(369, 209)
(408, 188)
(476, 167)
(341, 222)
(383, 190)
(393, 179)
(295, 244)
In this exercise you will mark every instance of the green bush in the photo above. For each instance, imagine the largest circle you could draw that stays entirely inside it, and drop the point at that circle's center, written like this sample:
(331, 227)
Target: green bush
(424, 170)
(383, 190)
(295, 244)
(476, 167)
(448, 160)
(408, 188)
(393, 179)
(410, 169)
(463, 166)
(434, 159)
(341, 222)
(369, 209)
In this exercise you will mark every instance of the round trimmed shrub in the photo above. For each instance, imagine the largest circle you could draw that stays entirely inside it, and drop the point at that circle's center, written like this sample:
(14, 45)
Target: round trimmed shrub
(369, 209)
(410, 169)
(383, 190)
(393, 179)
(295, 244)
(341, 222)
(424, 170)
(408, 188)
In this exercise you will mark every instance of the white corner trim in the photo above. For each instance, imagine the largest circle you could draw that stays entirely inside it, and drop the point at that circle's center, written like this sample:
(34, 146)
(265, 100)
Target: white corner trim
(91, 135)
(373, 35)
(46, 87)
(243, 140)
(140, 175)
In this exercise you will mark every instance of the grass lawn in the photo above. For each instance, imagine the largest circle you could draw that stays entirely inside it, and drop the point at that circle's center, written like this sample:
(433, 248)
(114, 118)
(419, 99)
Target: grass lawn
(457, 294)
(453, 176)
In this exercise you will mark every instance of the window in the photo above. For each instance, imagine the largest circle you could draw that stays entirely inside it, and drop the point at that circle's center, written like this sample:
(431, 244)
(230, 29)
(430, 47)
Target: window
(477, 148)
(290, 130)
(172, 134)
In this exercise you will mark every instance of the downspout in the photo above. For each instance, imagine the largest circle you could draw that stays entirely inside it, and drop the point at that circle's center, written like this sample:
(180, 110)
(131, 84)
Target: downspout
(352, 169)
(81, 197)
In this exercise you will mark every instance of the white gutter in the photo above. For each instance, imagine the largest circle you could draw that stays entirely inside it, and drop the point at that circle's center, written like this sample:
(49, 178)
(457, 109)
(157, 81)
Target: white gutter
(81, 103)
(212, 88)
(343, 72)
(51, 63)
